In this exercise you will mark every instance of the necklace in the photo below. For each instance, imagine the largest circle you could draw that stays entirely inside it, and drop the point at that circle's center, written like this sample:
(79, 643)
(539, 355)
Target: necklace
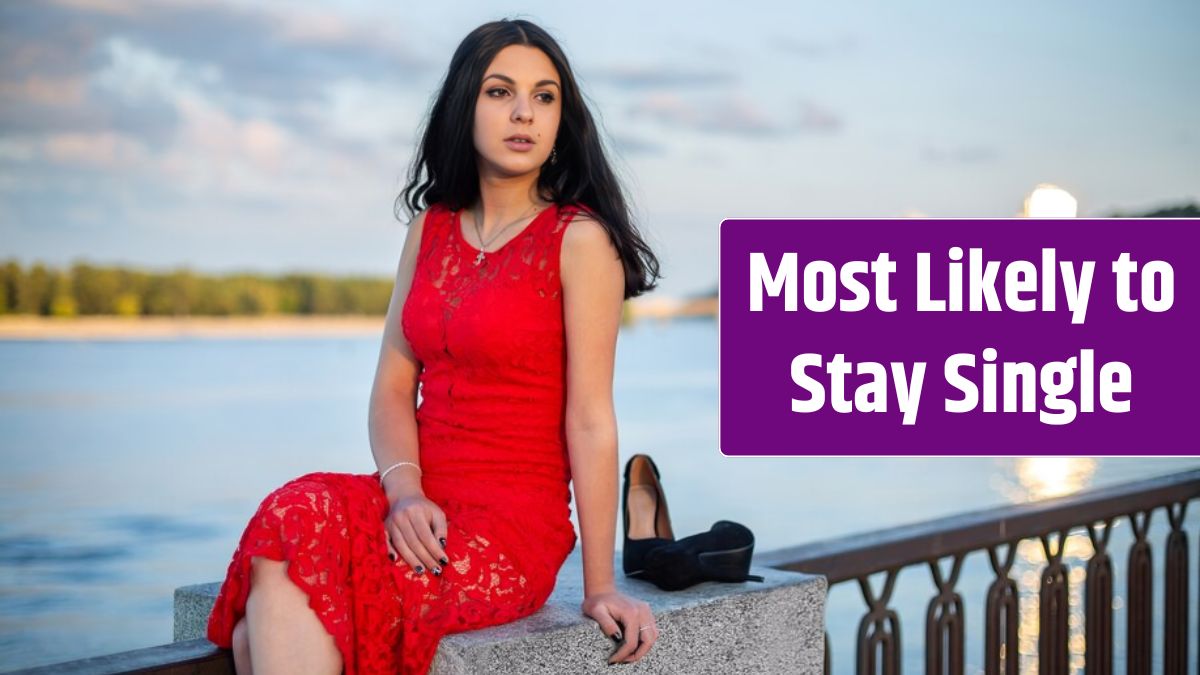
(479, 257)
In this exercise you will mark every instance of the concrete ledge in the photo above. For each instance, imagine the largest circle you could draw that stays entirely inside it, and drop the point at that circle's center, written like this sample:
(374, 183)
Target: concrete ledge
(777, 626)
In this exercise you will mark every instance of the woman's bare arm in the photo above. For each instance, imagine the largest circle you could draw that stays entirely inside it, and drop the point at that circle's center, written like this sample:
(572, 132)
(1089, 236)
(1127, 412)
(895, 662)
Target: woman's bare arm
(593, 281)
(392, 422)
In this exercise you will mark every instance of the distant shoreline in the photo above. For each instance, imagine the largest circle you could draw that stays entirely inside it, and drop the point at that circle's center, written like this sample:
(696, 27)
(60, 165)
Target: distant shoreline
(24, 327)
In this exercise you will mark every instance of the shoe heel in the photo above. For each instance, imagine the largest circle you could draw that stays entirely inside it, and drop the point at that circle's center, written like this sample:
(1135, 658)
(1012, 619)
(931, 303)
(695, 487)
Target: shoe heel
(728, 565)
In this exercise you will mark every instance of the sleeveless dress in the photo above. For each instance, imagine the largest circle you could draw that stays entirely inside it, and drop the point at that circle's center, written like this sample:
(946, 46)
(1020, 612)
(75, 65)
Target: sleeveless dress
(493, 454)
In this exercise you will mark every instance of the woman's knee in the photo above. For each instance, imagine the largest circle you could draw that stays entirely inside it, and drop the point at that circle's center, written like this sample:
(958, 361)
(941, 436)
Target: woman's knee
(271, 589)
(316, 494)
(241, 638)
(241, 648)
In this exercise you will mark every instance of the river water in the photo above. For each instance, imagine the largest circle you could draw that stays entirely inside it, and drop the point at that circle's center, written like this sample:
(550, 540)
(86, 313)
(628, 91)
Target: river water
(130, 468)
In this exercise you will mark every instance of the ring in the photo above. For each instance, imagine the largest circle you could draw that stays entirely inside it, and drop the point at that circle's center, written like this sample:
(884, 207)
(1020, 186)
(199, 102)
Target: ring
(644, 628)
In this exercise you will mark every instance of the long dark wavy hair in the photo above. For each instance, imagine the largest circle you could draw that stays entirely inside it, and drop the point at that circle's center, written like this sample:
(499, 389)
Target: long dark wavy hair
(444, 170)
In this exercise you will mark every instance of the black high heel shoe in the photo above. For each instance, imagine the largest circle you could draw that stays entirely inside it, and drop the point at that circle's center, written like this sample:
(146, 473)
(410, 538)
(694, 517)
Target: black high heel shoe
(721, 554)
(647, 521)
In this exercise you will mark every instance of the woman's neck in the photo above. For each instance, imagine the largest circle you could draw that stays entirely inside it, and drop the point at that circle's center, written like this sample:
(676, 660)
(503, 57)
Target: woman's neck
(503, 199)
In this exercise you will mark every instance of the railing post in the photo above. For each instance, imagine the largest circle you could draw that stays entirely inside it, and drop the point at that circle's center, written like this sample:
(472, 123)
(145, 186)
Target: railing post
(879, 630)
(1001, 616)
(1141, 597)
(944, 623)
(1175, 625)
(1053, 610)
(1098, 658)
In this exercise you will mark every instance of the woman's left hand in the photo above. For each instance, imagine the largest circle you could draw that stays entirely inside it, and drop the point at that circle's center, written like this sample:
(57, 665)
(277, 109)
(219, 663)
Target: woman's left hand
(627, 620)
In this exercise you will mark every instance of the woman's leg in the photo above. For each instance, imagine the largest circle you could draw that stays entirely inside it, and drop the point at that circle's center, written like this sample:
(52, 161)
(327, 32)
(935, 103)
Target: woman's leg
(241, 649)
(284, 634)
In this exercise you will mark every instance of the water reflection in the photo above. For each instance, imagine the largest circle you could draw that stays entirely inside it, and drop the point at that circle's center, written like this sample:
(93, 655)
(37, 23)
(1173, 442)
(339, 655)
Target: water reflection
(1032, 479)
(1028, 479)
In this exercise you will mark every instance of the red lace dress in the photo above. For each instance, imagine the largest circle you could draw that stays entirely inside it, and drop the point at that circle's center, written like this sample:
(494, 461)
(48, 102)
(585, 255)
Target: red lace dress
(493, 454)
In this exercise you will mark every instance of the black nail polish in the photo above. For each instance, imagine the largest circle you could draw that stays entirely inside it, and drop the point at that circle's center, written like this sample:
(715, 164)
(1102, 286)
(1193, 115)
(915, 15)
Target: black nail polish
(617, 636)
(437, 571)
(392, 556)
(420, 569)
(443, 560)
(442, 540)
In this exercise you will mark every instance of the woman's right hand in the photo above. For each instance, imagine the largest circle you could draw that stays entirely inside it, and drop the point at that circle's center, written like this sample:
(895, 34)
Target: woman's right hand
(416, 534)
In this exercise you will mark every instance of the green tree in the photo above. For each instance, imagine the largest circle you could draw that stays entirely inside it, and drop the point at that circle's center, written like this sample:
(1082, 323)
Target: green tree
(135, 284)
(364, 295)
(33, 291)
(291, 295)
(214, 298)
(127, 303)
(95, 288)
(254, 296)
(1182, 210)
(62, 299)
(171, 295)
(315, 294)
(8, 300)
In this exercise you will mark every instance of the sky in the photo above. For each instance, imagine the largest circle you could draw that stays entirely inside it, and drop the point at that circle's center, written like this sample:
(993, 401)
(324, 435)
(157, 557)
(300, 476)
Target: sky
(275, 136)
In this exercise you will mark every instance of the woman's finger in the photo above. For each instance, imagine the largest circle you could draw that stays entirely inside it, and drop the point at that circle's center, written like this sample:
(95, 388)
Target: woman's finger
(397, 539)
(440, 530)
(627, 617)
(608, 625)
(647, 636)
(426, 561)
(424, 532)
(393, 554)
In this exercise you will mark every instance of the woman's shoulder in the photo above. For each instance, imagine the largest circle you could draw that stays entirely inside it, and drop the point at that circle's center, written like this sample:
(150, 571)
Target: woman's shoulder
(585, 232)
(432, 210)
(430, 214)
(577, 217)
(423, 227)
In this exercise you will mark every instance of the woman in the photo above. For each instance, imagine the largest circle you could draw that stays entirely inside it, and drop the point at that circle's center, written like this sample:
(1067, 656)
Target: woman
(504, 316)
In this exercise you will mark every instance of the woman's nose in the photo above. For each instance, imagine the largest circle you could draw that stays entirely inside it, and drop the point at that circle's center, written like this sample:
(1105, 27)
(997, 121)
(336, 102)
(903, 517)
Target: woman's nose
(522, 111)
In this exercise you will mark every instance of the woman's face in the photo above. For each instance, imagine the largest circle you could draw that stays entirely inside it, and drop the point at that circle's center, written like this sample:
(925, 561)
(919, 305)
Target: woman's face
(519, 98)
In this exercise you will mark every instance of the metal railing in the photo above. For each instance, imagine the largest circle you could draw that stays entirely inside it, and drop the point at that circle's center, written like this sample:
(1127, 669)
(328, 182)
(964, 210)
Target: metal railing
(190, 657)
(998, 532)
(995, 531)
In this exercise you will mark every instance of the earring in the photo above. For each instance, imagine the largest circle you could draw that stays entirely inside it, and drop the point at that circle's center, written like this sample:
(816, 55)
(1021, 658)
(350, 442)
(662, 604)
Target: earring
(553, 154)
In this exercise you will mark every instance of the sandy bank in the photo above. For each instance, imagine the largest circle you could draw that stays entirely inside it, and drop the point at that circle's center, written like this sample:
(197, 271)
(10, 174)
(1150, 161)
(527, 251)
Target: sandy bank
(166, 328)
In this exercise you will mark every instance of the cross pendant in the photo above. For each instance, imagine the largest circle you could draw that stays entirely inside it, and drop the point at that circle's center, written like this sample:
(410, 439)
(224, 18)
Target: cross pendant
(479, 259)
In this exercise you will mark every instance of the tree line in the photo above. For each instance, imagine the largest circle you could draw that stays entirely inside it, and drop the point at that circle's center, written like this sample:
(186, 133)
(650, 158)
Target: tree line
(85, 289)
(88, 290)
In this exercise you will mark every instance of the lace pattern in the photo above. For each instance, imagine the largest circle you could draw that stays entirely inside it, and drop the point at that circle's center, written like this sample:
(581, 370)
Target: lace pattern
(493, 455)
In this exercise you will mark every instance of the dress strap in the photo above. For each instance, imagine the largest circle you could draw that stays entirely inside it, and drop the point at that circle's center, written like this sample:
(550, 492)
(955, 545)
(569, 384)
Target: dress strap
(566, 215)
(434, 229)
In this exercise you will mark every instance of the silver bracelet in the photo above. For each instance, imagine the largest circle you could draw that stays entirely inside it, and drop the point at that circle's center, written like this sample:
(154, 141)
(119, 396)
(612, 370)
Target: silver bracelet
(396, 466)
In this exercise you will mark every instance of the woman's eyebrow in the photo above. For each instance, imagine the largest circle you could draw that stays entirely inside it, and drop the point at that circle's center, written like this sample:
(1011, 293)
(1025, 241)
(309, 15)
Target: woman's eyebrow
(509, 80)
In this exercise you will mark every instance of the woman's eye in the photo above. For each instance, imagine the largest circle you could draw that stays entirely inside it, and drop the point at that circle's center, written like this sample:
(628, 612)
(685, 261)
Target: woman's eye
(497, 92)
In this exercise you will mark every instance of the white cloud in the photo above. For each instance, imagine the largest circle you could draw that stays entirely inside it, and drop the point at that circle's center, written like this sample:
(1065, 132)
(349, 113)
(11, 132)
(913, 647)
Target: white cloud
(104, 149)
(139, 75)
(733, 115)
(17, 149)
(370, 112)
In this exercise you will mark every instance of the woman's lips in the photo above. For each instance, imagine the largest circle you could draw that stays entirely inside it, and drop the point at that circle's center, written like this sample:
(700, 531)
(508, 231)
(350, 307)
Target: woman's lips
(519, 146)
